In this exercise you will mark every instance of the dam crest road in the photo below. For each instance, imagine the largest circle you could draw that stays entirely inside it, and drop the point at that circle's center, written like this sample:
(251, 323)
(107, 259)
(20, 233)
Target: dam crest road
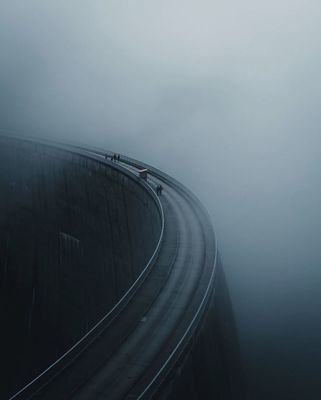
(134, 349)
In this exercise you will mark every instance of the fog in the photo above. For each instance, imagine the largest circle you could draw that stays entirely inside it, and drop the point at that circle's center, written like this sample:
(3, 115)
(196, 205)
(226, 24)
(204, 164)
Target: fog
(225, 96)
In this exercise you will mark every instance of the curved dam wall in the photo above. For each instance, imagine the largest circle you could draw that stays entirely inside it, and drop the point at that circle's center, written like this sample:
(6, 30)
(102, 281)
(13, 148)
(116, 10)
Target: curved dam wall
(210, 368)
(74, 235)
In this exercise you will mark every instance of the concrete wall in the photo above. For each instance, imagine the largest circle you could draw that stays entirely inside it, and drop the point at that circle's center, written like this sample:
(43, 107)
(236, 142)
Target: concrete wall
(74, 235)
(210, 369)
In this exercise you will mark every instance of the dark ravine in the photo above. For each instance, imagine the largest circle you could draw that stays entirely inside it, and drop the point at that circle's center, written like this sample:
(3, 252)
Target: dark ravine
(76, 232)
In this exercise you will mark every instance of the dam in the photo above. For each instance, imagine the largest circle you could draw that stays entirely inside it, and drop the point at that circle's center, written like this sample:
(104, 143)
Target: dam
(108, 290)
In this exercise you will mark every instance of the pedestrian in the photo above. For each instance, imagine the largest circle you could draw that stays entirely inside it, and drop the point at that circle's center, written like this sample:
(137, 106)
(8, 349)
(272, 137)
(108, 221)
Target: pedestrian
(160, 189)
(157, 189)
(118, 157)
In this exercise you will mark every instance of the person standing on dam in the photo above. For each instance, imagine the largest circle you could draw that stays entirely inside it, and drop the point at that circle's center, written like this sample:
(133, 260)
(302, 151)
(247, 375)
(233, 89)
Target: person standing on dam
(159, 189)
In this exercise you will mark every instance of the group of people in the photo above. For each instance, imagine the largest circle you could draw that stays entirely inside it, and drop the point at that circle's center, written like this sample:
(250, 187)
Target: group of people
(113, 157)
(159, 189)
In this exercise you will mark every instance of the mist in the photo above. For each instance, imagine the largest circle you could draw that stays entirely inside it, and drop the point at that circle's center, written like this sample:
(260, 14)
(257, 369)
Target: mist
(224, 96)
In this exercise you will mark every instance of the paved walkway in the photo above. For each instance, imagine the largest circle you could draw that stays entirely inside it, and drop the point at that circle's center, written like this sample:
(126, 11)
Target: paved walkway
(130, 358)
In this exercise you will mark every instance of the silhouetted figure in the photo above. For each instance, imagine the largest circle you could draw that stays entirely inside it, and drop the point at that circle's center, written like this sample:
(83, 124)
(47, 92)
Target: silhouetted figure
(118, 157)
(159, 189)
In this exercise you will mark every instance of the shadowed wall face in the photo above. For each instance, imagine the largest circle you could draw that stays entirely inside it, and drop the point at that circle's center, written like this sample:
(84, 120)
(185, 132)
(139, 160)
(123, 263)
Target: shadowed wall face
(74, 235)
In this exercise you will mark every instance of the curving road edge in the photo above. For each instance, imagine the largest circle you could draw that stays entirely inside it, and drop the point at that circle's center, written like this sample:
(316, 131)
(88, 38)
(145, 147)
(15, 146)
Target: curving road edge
(131, 351)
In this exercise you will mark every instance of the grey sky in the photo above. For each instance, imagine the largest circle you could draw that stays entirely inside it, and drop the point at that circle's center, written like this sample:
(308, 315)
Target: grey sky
(224, 95)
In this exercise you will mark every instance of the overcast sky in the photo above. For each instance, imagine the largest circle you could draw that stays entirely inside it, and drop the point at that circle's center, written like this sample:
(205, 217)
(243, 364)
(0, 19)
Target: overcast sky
(224, 95)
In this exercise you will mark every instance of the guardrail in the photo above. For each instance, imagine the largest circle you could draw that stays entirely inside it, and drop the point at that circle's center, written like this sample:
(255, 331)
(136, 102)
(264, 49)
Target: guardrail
(44, 378)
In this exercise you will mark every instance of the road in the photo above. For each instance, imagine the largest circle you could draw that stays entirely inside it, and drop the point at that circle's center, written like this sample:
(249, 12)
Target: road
(131, 356)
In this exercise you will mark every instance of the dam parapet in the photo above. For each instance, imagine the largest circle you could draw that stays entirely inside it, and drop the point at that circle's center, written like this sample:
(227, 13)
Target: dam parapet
(112, 291)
